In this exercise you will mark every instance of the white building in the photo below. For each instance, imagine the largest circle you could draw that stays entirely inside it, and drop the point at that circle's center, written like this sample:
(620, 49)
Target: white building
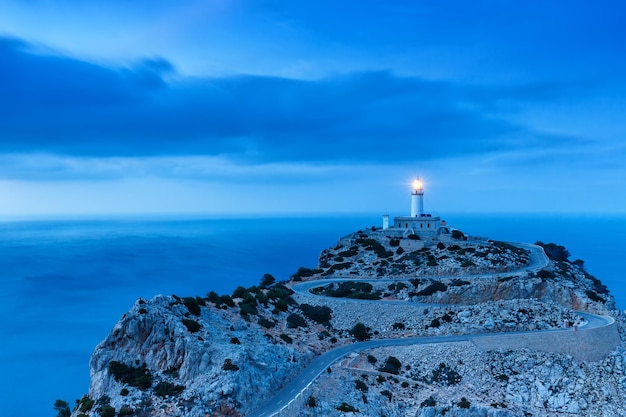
(419, 223)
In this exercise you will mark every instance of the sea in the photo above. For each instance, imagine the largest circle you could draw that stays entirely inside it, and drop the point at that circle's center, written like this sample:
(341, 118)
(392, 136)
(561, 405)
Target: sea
(64, 283)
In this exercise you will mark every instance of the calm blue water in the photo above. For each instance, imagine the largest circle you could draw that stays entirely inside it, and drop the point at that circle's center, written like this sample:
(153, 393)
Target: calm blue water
(64, 284)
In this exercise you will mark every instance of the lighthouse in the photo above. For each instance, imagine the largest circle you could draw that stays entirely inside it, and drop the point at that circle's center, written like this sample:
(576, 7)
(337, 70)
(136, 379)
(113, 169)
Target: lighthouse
(418, 223)
(417, 198)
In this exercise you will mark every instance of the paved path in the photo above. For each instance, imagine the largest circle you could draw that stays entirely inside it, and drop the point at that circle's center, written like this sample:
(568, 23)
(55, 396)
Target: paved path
(296, 387)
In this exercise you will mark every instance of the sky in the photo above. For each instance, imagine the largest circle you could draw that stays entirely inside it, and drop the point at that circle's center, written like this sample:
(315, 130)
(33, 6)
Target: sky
(264, 107)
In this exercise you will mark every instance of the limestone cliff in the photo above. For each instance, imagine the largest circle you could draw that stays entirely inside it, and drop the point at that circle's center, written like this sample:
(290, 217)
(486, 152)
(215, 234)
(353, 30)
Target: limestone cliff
(227, 355)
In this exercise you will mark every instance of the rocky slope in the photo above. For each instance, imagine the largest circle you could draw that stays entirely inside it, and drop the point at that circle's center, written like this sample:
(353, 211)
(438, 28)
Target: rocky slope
(226, 355)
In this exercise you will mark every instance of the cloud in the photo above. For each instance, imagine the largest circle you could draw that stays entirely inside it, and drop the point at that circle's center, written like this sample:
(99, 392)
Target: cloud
(62, 105)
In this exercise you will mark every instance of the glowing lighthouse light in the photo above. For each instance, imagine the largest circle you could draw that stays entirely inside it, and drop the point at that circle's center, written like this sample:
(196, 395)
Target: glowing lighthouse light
(417, 198)
(418, 185)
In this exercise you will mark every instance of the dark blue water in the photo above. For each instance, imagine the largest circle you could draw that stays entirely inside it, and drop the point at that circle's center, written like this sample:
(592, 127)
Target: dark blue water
(64, 284)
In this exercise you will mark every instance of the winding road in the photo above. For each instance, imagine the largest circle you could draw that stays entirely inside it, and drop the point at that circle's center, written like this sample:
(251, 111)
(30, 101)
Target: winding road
(297, 386)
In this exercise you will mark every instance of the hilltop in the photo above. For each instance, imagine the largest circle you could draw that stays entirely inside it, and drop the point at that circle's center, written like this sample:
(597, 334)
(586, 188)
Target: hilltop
(385, 324)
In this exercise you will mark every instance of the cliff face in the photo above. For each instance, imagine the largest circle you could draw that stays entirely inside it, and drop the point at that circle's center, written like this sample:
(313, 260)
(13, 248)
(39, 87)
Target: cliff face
(227, 355)
(214, 366)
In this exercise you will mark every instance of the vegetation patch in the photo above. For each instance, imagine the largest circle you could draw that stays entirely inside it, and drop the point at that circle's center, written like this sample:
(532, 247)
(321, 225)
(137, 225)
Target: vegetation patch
(349, 289)
(319, 314)
(228, 365)
(192, 325)
(139, 377)
(166, 389)
(347, 408)
(434, 287)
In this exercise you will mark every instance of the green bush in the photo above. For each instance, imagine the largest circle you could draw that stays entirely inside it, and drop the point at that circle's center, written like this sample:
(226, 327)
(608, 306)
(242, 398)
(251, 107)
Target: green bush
(594, 297)
(166, 389)
(229, 365)
(319, 314)
(445, 375)
(295, 320)
(387, 394)
(398, 326)
(429, 402)
(347, 408)
(457, 234)
(85, 404)
(126, 411)
(107, 411)
(464, 403)
(139, 377)
(554, 251)
(235, 341)
(62, 408)
(392, 366)
(434, 287)
(124, 392)
(192, 325)
(286, 338)
(267, 280)
(311, 402)
(372, 359)
(268, 324)
(360, 385)
(413, 236)
(192, 305)
(239, 292)
(360, 332)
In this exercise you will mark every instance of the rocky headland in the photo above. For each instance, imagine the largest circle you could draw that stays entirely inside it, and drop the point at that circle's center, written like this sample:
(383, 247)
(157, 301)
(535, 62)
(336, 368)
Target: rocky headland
(481, 328)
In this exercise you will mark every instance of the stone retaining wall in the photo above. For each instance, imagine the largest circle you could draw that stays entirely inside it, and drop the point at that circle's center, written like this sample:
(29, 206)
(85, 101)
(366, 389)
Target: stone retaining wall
(583, 344)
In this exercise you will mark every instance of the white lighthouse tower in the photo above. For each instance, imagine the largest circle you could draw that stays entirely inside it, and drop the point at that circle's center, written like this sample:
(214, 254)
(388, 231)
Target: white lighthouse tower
(417, 198)
(422, 224)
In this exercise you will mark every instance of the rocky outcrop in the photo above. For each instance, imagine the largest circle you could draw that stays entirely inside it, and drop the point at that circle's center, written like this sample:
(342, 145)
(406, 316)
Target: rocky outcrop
(227, 355)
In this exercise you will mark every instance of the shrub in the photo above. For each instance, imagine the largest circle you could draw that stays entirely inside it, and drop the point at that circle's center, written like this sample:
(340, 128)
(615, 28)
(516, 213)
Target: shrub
(413, 236)
(554, 251)
(464, 403)
(126, 411)
(107, 411)
(166, 389)
(594, 297)
(192, 325)
(267, 280)
(392, 366)
(503, 378)
(399, 251)
(459, 282)
(62, 408)
(235, 341)
(445, 375)
(239, 292)
(139, 377)
(229, 365)
(360, 332)
(398, 326)
(347, 408)
(192, 305)
(295, 320)
(434, 287)
(360, 385)
(372, 359)
(286, 338)
(311, 402)
(268, 324)
(429, 402)
(319, 314)
(543, 274)
(85, 404)
(457, 234)
(394, 242)
(124, 392)
(387, 394)
(435, 323)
